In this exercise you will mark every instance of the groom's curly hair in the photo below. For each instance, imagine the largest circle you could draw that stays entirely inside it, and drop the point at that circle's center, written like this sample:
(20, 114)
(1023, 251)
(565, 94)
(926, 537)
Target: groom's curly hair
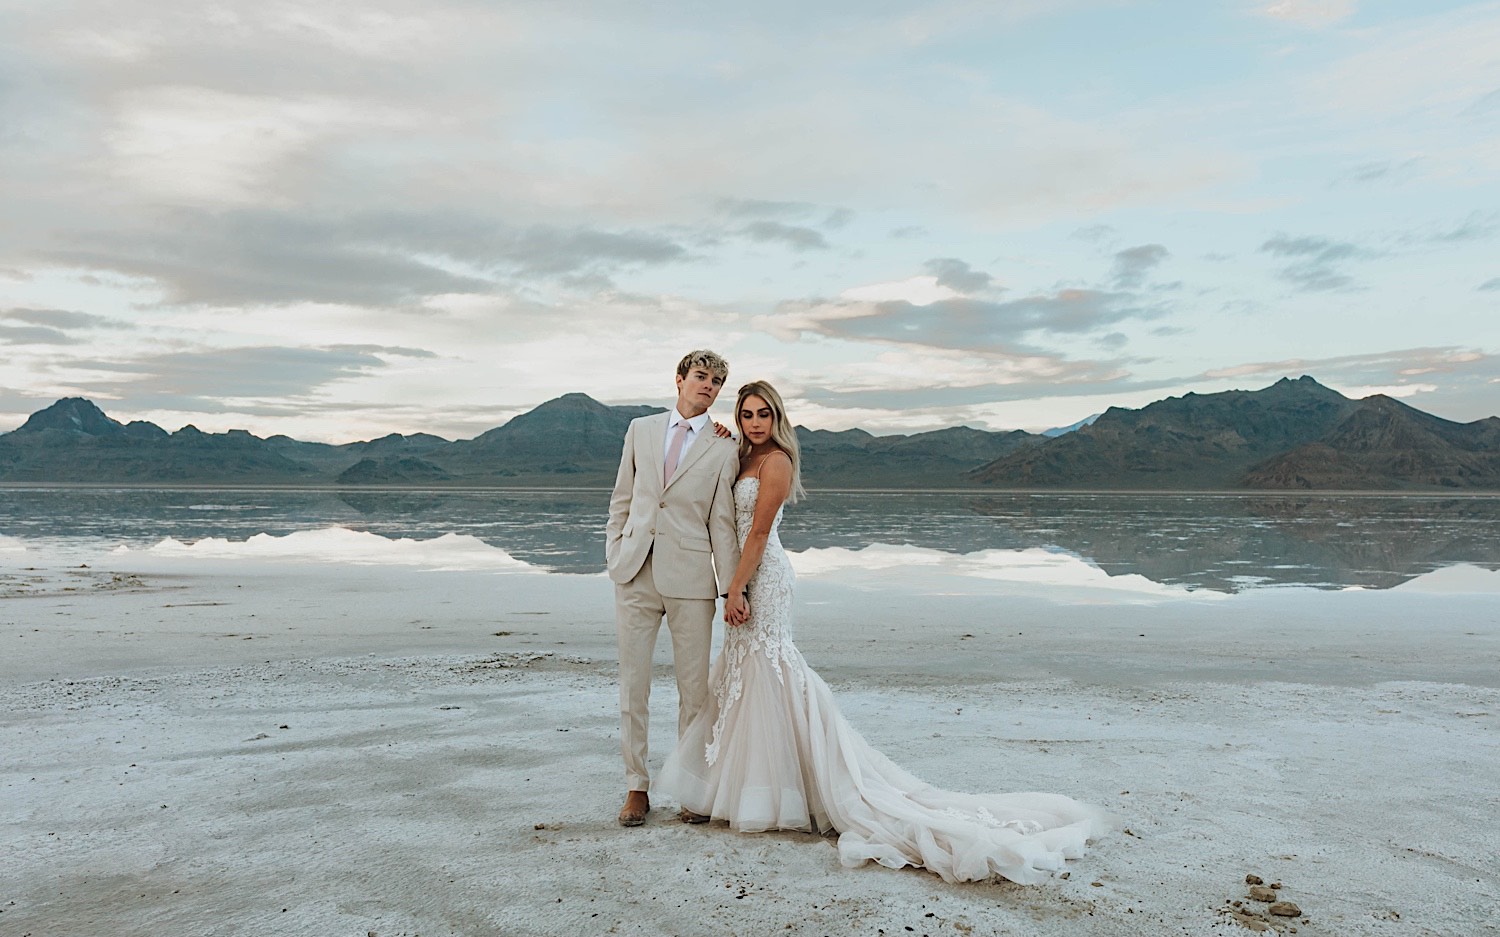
(703, 358)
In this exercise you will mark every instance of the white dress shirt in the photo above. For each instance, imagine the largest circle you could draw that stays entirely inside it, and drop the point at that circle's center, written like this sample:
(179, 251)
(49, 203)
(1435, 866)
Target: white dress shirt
(695, 426)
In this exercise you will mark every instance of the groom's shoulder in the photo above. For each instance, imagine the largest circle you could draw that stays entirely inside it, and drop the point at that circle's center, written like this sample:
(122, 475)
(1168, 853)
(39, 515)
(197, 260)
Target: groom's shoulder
(641, 421)
(724, 446)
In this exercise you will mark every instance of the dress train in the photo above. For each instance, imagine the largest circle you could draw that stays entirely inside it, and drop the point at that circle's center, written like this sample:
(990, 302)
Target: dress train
(771, 751)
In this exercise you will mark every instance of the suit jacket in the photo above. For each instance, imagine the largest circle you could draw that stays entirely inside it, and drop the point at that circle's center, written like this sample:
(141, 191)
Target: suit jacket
(688, 523)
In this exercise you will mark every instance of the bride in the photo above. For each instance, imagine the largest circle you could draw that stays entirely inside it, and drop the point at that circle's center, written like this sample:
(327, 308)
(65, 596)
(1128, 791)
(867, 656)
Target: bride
(770, 750)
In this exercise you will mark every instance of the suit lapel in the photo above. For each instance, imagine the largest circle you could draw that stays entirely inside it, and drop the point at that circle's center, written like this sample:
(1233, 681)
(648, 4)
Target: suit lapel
(695, 452)
(656, 441)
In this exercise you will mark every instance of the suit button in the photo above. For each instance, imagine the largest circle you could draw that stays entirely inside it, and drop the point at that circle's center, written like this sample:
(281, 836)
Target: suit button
(662, 505)
(653, 531)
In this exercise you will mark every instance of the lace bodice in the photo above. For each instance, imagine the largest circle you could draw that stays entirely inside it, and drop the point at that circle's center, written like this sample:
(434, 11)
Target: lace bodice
(746, 493)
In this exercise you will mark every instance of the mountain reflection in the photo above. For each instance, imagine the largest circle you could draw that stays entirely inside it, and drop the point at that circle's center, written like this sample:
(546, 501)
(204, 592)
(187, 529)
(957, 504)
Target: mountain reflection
(1193, 541)
(1228, 543)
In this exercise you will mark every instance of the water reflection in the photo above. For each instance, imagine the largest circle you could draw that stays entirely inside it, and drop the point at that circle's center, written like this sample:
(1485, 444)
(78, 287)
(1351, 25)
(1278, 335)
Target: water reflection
(1188, 542)
(1230, 543)
(1013, 572)
(341, 545)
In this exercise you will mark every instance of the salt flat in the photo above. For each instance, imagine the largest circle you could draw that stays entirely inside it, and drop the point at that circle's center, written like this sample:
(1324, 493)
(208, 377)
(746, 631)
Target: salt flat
(200, 745)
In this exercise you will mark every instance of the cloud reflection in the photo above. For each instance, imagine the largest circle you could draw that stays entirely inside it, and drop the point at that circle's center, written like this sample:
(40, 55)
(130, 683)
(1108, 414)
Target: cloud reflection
(1020, 571)
(339, 545)
(1459, 578)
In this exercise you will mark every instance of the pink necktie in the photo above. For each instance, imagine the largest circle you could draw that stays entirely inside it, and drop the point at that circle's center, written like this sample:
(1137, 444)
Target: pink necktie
(674, 452)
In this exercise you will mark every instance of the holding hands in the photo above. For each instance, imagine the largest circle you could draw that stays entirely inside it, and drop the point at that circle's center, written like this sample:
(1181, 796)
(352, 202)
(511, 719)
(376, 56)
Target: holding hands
(736, 609)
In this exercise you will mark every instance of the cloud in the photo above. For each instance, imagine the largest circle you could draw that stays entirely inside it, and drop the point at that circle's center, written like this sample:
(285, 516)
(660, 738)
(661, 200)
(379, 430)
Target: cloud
(764, 208)
(912, 390)
(1477, 227)
(769, 220)
(206, 146)
(254, 257)
(958, 275)
(836, 141)
(62, 319)
(1312, 278)
(543, 250)
(919, 291)
(375, 259)
(239, 158)
(1454, 382)
(955, 323)
(395, 351)
(1398, 391)
(1319, 263)
(1308, 12)
(1383, 370)
(1070, 311)
(1320, 249)
(33, 335)
(1096, 233)
(1317, 268)
(490, 181)
(49, 326)
(189, 378)
(793, 236)
(1490, 285)
(907, 386)
(1413, 74)
(1385, 170)
(1133, 263)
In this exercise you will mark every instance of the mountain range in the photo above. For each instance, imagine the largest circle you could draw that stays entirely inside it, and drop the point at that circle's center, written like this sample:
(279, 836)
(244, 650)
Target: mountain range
(1295, 434)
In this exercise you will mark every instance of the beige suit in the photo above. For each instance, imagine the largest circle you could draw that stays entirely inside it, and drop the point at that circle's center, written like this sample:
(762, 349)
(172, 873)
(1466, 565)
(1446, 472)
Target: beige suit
(671, 550)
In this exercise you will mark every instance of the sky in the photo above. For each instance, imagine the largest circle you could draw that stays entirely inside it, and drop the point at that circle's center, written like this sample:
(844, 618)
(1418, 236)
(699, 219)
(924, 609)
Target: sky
(337, 219)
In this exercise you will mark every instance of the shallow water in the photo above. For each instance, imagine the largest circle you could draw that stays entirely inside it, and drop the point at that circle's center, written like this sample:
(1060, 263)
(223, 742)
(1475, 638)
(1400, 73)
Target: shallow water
(1171, 544)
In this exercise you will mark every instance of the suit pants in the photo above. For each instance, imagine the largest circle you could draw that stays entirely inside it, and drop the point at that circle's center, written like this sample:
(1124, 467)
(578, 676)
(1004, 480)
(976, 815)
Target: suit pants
(639, 608)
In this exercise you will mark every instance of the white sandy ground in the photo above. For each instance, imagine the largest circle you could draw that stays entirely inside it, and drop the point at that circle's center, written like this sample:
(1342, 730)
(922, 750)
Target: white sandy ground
(196, 746)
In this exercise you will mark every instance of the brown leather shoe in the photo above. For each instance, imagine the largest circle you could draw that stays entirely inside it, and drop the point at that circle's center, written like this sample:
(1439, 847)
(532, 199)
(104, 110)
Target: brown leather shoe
(637, 805)
(688, 816)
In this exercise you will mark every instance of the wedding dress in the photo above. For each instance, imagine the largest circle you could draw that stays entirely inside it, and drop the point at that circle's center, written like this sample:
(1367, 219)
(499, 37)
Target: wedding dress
(770, 751)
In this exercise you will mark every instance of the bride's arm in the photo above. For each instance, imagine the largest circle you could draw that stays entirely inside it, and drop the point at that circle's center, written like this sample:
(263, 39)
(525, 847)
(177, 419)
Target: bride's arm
(775, 485)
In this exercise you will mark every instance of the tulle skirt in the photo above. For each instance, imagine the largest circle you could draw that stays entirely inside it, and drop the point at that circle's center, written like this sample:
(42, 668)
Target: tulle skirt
(785, 759)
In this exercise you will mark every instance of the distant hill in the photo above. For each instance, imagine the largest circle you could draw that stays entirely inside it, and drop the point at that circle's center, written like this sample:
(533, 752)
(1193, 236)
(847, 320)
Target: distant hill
(938, 459)
(74, 441)
(1293, 434)
(1384, 443)
(1063, 430)
(393, 470)
(571, 440)
(330, 458)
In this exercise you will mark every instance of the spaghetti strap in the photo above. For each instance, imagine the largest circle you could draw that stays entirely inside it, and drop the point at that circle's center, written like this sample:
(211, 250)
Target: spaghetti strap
(762, 463)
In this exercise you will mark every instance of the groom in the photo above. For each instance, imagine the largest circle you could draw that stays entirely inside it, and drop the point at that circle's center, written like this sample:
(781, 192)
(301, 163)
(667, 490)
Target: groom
(671, 548)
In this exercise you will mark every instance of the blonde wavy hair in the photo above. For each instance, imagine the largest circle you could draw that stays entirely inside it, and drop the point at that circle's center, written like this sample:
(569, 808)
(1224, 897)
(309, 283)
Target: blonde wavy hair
(782, 432)
(705, 359)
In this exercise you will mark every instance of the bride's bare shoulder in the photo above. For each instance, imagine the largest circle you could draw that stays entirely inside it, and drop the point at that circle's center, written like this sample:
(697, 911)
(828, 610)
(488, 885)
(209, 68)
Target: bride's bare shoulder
(776, 465)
